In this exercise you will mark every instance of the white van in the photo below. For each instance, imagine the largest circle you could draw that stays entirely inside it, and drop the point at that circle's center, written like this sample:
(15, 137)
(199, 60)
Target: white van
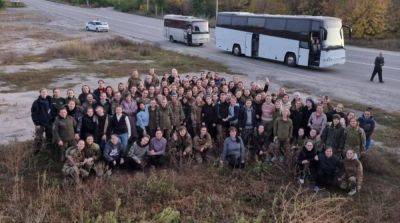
(186, 29)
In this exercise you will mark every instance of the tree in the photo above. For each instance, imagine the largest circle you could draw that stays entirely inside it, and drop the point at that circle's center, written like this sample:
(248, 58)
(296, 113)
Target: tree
(269, 6)
(369, 18)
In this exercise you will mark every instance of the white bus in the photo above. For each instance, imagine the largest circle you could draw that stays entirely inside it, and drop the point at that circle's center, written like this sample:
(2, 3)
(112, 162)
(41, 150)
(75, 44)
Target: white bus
(186, 29)
(316, 41)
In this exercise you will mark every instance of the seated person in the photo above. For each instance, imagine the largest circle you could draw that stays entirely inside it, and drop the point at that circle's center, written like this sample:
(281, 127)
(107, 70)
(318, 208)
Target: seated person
(180, 144)
(353, 173)
(92, 154)
(74, 166)
(137, 153)
(259, 144)
(157, 148)
(202, 144)
(306, 165)
(113, 152)
(234, 151)
(328, 169)
(299, 141)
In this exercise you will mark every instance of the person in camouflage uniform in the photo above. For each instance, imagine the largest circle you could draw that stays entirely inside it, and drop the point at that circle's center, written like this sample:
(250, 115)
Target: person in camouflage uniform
(353, 174)
(64, 132)
(164, 114)
(202, 144)
(180, 146)
(92, 154)
(74, 167)
(355, 138)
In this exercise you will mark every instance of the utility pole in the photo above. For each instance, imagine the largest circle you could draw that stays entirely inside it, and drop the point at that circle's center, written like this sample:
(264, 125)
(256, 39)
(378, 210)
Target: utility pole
(216, 9)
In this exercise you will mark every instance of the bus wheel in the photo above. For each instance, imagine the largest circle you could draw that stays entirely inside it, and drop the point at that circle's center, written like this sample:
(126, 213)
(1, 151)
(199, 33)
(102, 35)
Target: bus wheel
(171, 39)
(290, 59)
(236, 50)
(200, 44)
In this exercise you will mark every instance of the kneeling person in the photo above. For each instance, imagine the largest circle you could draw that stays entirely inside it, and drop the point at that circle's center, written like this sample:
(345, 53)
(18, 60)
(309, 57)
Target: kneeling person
(234, 151)
(113, 151)
(137, 152)
(74, 166)
(92, 154)
(353, 173)
(202, 144)
(181, 144)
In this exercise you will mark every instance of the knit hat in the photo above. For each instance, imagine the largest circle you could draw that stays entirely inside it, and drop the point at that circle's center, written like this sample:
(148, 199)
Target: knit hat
(336, 116)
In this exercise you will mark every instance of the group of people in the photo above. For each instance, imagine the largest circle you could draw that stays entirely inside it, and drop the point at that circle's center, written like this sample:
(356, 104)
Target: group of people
(174, 119)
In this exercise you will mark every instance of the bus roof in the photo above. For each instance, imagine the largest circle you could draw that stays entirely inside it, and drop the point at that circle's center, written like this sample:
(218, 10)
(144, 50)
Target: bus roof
(281, 16)
(184, 18)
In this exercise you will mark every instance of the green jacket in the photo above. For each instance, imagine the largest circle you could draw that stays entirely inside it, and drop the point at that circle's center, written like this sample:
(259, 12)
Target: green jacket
(92, 151)
(177, 114)
(283, 129)
(64, 129)
(165, 117)
(355, 139)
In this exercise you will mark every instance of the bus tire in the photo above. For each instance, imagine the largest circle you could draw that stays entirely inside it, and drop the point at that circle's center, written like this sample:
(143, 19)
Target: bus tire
(171, 39)
(290, 59)
(200, 44)
(236, 50)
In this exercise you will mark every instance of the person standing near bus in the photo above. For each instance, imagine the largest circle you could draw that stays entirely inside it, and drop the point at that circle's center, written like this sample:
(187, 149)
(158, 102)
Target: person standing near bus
(189, 35)
(379, 62)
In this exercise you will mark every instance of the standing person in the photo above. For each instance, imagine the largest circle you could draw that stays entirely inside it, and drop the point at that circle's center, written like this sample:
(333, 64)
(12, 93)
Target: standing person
(233, 112)
(116, 101)
(113, 152)
(164, 114)
(283, 130)
(142, 118)
(307, 111)
(267, 116)
(234, 152)
(355, 138)
(71, 96)
(57, 102)
(177, 112)
(85, 91)
(187, 110)
(209, 117)
(103, 101)
(120, 126)
(134, 79)
(89, 124)
(64, 133)
(41, 116)
(75, 112)
(157, 148)
(196, 113)
(202, 145)
(153, 117)
(379, 62)
(328, 169)
(353, 174)
(129, 107)
(136, 156)
(318, 120)
(367, 123)
(99, 90)
(247, 121)
(296, 114)
(222, 113)
(334, 136)
(102, 120)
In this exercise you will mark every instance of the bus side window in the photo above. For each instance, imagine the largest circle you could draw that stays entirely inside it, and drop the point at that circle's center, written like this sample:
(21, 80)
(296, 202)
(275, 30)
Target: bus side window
(304, 45)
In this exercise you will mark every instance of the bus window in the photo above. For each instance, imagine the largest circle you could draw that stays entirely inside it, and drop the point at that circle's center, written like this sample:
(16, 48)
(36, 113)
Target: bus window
(301, 26)
(201, 27)
(224, 20)
(316, 26)
(239, 21)
(256, 22)
(275, 24)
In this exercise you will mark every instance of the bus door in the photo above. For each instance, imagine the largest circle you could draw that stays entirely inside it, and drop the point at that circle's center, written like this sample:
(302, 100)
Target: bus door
(255, 42)
(315, 49)
(304, 53)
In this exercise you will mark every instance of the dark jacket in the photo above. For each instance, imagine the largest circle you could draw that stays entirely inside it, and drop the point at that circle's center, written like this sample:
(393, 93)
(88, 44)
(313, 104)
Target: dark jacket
(379, 62)
(106, 105)
(297, 117)
(307, 155)
(41, 111)
(102, 126)
(89, 126)
(368, 124)
(243, 118)
(329, 166)
(77, 114)
(222, 110)
(334, 136)
(117, 127)
(56, 105)
(64, 129)
(306, 116)
(208, 114)
(110, 148)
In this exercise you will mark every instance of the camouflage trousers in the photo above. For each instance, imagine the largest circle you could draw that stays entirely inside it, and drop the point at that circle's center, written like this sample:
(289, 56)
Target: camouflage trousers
(348, 183)
(75, 173)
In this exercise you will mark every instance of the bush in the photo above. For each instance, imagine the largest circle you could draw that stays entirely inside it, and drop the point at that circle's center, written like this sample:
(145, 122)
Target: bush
(2, 4)
(168, 215)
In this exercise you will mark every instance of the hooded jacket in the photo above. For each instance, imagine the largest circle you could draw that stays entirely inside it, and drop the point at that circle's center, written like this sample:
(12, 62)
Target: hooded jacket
(368, 124)
(41, 111)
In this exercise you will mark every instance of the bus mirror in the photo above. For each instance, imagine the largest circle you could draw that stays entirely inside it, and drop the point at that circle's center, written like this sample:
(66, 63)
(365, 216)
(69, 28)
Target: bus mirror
(349, 29)
(323, 33)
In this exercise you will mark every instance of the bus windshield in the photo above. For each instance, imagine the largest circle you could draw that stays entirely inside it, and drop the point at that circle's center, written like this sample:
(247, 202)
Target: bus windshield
(334, 36)
(200, 27)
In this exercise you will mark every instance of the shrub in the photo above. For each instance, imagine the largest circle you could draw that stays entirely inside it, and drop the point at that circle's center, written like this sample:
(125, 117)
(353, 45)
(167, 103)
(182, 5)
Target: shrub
(2, 4)
(168, 215)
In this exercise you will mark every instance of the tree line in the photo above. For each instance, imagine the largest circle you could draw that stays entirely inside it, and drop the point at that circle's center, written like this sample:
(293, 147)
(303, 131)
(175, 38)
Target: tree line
(370, 19)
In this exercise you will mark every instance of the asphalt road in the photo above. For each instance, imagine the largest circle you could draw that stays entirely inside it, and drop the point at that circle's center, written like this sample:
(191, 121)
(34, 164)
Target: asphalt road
(349, 81)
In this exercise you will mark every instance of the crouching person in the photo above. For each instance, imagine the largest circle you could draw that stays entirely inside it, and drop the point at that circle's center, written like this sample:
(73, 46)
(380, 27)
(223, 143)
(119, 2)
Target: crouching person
(306, 165)
(353, 174)
(136, 157)
(157, 148)
(92, 154)
(74, 167)
(234, 151)
(329, 167)
(202, 144)
(259, 144)
(113, 152)
(180, 146)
